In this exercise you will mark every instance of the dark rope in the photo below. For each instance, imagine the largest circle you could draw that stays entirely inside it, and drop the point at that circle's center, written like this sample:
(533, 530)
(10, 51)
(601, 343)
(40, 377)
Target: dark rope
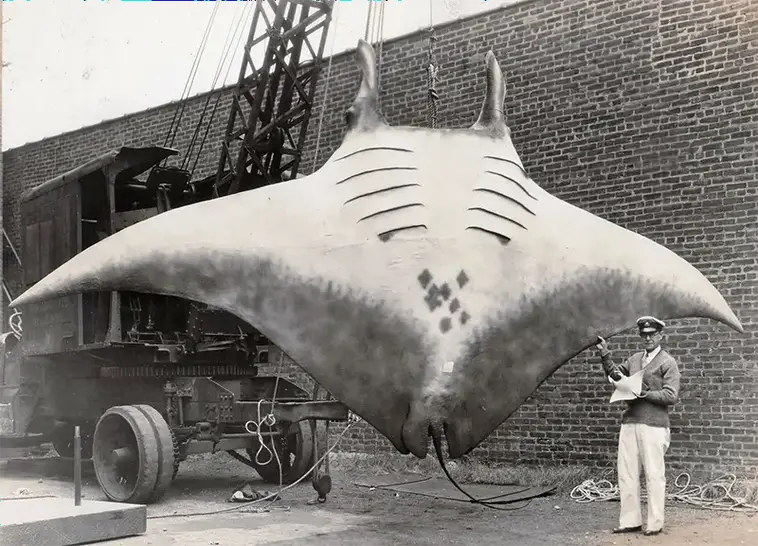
(205, 136)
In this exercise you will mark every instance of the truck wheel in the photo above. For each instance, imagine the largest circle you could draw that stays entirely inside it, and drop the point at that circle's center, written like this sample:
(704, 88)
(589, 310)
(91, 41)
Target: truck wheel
(133, 454)
(295, 452)
(168, 466)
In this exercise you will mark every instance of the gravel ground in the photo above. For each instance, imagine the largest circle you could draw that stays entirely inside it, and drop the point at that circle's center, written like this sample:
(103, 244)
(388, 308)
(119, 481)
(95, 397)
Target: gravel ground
(354, 515)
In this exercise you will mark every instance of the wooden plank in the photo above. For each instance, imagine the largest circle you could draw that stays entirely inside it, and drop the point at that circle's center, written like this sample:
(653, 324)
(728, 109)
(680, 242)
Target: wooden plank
(57, 522)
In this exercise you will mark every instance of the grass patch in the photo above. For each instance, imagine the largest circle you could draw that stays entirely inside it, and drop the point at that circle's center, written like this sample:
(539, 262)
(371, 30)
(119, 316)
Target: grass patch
(464, 470)
(748, 490)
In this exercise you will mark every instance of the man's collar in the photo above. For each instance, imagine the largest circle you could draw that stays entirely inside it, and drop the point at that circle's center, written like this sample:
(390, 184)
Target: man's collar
(653, 353)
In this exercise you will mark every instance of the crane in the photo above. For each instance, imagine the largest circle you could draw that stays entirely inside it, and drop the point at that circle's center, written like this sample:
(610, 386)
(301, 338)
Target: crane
(162, 367)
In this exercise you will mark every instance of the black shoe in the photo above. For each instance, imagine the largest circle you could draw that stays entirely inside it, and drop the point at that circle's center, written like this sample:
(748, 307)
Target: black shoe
(618, 530)
(650, 533)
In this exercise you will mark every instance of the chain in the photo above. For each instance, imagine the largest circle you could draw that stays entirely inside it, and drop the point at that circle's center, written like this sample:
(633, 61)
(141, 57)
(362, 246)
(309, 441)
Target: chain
(431, 71)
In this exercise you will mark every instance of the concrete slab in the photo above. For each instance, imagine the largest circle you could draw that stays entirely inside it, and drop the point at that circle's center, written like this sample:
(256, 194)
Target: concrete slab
(57, 522)
(314, 527)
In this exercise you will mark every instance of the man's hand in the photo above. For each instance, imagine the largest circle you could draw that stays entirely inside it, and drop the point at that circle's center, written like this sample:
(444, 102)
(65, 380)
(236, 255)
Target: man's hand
(616, 375)
(601, 345)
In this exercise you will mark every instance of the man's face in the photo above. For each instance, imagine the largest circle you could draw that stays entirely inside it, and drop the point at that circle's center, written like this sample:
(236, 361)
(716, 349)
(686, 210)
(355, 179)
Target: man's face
(651, 340)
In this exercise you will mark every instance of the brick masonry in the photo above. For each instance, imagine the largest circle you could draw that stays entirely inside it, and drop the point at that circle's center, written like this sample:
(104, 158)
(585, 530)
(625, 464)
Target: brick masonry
(642, 112)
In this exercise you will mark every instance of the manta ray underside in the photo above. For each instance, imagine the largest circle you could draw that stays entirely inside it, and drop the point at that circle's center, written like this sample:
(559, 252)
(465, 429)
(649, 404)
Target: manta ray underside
(420, 275)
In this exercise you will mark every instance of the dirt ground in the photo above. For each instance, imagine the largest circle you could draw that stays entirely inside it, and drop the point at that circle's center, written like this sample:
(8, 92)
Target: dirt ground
(358, 515)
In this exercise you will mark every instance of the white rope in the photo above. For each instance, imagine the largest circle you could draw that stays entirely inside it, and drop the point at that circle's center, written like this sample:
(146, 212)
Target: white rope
(15, 323)
(254, 427)
(715, 495)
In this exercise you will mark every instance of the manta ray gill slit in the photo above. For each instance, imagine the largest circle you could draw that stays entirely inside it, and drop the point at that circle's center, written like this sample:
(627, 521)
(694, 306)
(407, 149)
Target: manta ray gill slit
(511, 179)
(382, 190)
(507, 198)
(374, 148)
(377, 170)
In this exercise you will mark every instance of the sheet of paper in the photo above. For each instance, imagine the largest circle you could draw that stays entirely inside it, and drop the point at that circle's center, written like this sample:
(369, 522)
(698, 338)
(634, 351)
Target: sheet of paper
(627, 388)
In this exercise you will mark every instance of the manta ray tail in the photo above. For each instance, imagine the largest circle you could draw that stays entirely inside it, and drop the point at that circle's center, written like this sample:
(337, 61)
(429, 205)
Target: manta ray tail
(489, 502)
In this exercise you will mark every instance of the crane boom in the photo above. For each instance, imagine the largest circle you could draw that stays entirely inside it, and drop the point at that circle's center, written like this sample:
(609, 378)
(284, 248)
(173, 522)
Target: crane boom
(264, 139)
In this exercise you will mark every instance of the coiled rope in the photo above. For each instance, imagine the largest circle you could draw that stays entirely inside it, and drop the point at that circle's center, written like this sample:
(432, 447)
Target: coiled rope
(15, 322)
(716, 494)
(254, 427)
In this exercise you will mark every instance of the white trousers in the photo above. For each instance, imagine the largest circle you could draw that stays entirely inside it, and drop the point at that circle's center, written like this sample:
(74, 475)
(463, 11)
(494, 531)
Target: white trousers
(642, 447)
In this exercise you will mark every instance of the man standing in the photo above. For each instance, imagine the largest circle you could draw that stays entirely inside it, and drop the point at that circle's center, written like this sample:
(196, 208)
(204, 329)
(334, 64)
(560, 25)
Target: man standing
(644, 437)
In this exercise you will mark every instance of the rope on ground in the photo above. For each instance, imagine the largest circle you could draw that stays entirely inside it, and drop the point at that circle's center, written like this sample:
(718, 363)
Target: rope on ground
(716, 494)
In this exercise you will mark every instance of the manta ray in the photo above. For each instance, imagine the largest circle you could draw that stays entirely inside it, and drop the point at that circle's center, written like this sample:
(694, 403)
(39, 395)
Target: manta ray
(420, 275)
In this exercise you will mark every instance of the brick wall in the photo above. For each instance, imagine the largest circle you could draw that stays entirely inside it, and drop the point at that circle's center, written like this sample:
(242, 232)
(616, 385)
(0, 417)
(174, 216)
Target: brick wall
(642, 112)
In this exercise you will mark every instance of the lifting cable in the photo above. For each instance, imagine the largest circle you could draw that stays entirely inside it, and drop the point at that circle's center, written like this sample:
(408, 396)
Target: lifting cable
(244, 14)
(179, 112)
(431, 78)
(325, 93)
(376, 36)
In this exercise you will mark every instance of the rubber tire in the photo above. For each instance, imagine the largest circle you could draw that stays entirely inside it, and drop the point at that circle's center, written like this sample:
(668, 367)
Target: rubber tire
(300, 466)
(166, 458)
(151, 456)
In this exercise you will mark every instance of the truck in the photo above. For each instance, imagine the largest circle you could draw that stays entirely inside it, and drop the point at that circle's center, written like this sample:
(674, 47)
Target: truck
(151, 379)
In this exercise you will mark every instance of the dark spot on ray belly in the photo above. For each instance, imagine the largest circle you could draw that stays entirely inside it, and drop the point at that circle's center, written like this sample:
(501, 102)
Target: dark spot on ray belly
(366, 353)
(513, 353)
(445, 324)
(374, 148)
(435, 298)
